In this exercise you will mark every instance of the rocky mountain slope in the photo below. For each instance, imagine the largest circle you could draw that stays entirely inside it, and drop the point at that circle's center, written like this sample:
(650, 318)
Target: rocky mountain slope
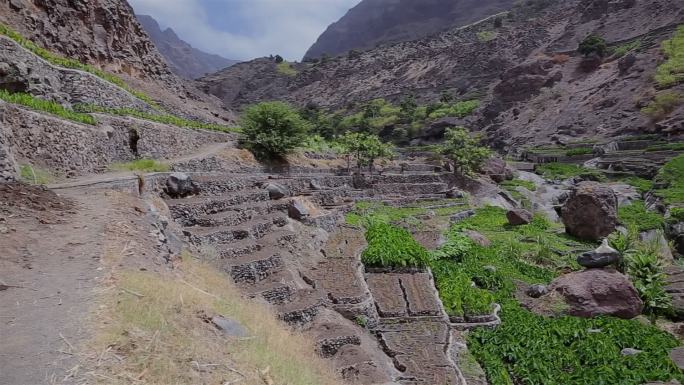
(524, 72)
(184, 60)
(373, 22)
(106, 35)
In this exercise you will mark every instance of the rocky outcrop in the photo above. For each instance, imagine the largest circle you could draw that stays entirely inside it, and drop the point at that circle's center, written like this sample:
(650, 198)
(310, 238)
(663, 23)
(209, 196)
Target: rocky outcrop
(374, 22)
(590, 213)
(597, 292)
(184, 60)
(104, 33)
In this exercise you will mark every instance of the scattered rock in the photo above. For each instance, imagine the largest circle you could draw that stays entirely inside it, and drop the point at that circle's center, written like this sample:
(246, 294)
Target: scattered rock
(180, 185)
(677, 356)
(675, 232)
(597, 292)
(277, 191)
(297, 210)
(630, 352)
(590, 213)
(603, 256)
(536, 291)
(517, 217)
(478, 238)
(315, 185)
(461, 216)
(626, 62)
(497, 170)
(230, 327)
(454, 193)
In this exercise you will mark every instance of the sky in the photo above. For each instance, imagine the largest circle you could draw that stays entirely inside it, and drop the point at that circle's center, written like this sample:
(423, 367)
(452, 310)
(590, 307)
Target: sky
(246, 29)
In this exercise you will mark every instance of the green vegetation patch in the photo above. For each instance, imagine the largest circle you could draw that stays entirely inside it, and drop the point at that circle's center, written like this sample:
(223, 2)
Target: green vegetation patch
(70, 63)
(672, 176)
(579, 151)
(666, 147)
(512, 184)
(528, 349)
(663, 105)
(558, 171)
(676, 214)
(636, 215)
(642, 185)
(485, 36)
(623, 49)
(391, 246)
(459, 109)
(159, 118)
(286, 69)
(48, 106)
(671, 72)
(144, 165)
(34, 175)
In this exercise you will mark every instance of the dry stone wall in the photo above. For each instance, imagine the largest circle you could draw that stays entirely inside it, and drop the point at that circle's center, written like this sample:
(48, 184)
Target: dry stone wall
(8, 167)
(22, 71)
(72, 149)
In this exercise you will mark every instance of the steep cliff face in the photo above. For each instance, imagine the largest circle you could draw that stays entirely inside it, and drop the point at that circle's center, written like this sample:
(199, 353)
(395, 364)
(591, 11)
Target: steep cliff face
(184, 59)
(373, 22)
(104, 33)
(526, 72)
(107, 35)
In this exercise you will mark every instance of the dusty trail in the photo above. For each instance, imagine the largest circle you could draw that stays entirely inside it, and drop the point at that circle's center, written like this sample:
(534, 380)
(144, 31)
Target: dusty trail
(50, 249)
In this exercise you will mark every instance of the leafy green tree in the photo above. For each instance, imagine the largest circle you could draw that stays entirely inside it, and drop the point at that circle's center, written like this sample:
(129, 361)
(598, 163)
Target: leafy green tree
(464, 150)
(364, 148)
(593, 44)
(273, 129)
(279, 59)
(408, 107)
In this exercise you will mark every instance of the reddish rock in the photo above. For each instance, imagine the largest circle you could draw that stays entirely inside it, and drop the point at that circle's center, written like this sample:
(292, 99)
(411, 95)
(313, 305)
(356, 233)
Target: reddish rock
(498, 170)
(590, 213)
(517, 217)
(597, 292)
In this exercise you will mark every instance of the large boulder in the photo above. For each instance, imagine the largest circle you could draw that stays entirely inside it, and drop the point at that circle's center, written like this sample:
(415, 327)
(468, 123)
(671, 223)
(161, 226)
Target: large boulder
(497, 169)
(517, 217)
(597, 292)
(180, 185)
(277, 191)
(297, 210)
(590, 213)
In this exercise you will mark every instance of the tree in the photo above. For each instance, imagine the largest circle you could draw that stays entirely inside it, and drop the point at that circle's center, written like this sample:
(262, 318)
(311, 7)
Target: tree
(464, 150)
(408, 107)
(593, 44)
(364, 148)
(279, 59)
(273, 129)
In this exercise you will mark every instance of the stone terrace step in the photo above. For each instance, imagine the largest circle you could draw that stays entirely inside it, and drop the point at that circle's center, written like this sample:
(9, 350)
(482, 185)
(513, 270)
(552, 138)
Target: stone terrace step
(331, 337)
(278, 238)
(255, 229)
(411, 188)
(186, 208)
(303, 309)
(253, 268)
(238, 214)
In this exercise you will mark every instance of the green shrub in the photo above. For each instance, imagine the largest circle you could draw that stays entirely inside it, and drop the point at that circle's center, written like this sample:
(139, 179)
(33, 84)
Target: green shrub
(676, 214)
(638, 216)
(70, 63)
(144, 165)
(391, 246)
(34, 175)
(565, 170)
(159, 118)
(459, 109)
(663, 105)
(364, 148)
(666, 147)
(48, 106)
(645, 269)
(671, 72)
(512, 184)
(641, 184)
(623, 49)
(273, 129)
(464, 150)
(593, 44)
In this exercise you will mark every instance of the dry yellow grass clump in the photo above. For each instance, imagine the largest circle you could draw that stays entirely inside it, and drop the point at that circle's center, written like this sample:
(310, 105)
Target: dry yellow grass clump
(155, 330)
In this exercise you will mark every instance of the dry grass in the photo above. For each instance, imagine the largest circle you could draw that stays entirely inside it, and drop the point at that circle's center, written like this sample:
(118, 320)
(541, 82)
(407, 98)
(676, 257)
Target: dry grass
(154, 330)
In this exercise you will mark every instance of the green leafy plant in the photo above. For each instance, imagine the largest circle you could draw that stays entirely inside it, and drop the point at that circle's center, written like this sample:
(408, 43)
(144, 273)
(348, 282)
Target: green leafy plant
(670, 181)
(273, 129)
(676, 214)
(514, 183)
(364, 148)
(35, 175)
(646, 271)
(391, 246)
(48, 106)
(579, 151)
(459, 109)
(671, 72)
(464, 150)
(286, 69)
(642, 185)
(624, 49)
(565, 170)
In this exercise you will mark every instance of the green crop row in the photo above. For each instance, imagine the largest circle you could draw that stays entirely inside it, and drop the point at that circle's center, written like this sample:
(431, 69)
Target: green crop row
(557, 171)
(636, 215)
(391, 246)
(48, 106)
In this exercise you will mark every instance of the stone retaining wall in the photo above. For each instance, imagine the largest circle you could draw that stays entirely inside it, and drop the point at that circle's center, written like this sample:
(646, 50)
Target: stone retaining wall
(73, 149)
(8, 167)
(22, 71)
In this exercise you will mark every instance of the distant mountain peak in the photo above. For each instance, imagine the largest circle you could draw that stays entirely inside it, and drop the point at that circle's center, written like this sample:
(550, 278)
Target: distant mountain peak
(183, 59)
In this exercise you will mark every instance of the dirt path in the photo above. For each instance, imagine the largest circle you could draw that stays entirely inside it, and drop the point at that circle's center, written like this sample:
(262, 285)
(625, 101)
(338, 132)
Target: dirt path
(50, 249)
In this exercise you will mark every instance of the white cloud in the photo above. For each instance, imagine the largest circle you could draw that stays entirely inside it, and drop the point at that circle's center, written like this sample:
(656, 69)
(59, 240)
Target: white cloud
(250, 28)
